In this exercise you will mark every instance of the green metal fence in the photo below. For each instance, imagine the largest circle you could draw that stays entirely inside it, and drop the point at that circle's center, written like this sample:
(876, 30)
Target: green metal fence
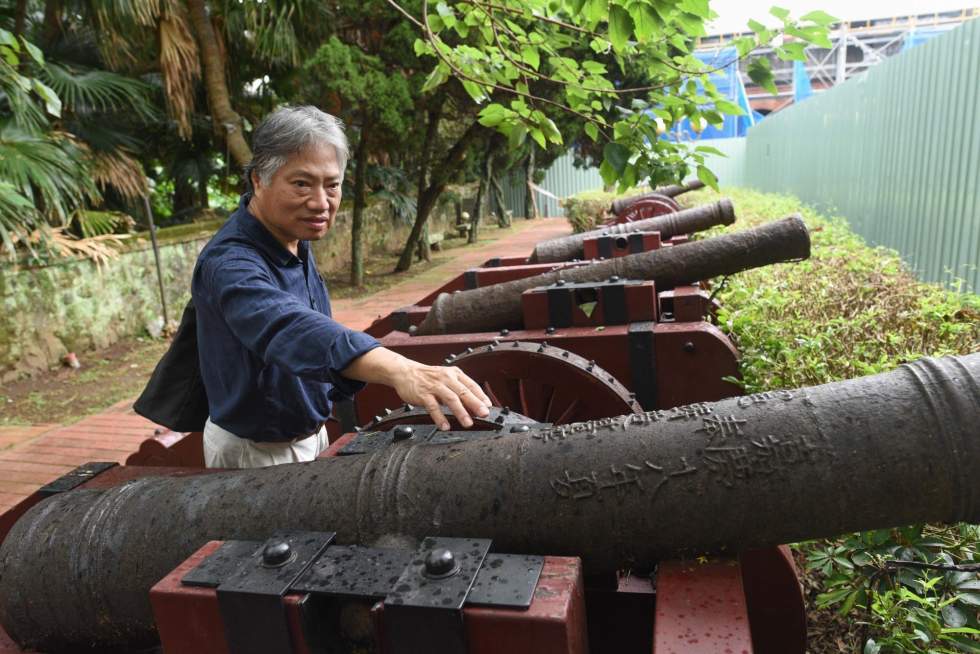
(895, 151)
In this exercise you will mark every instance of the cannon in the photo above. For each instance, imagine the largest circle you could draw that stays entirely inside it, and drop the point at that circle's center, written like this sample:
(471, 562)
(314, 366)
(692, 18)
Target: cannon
(669, 225)
(670, 191)
(623, 492)
(499, 306)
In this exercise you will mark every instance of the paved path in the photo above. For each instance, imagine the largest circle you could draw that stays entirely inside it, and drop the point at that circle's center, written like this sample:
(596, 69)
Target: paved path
(32, 456)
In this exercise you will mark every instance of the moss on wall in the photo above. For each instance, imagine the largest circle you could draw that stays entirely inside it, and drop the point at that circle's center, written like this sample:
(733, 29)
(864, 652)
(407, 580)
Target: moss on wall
(76, 306)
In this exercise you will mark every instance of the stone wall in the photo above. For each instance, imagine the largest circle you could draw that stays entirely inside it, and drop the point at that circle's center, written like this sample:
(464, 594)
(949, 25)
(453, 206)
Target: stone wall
(77, 306)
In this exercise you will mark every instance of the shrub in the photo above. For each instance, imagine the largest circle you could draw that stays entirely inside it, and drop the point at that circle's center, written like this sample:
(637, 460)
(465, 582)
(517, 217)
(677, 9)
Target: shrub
(588, 210)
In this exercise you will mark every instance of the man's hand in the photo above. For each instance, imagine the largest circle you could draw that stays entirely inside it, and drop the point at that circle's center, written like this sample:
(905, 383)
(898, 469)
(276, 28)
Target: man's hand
(422, 385)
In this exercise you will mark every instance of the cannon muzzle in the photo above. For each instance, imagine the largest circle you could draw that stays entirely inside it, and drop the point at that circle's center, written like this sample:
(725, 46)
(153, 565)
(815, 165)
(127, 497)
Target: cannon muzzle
(892, 449)
(671, 191)
(499, 306)
(688, 221)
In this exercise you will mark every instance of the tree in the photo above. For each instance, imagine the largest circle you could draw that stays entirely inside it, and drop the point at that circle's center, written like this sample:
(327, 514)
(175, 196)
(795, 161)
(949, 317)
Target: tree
(502, 51)
(375, 102)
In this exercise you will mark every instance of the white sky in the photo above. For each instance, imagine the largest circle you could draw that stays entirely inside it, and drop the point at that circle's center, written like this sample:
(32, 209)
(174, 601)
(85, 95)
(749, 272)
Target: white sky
(734, 14)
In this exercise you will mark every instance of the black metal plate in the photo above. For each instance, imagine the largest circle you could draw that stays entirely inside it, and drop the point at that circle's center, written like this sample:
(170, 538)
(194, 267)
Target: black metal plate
(354, 571)
(372, 441)
(75, 478)
(643, 363)
(506, 580)
(413, 588)
(222, 564)
(250, 601)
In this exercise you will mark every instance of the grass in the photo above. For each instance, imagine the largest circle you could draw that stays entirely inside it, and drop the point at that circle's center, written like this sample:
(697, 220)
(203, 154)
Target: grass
(853, 310)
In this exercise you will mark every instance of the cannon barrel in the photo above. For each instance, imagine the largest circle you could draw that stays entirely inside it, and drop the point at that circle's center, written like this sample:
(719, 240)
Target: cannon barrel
(892, 449)
(671, 191)
(687, 221)
(499, 306)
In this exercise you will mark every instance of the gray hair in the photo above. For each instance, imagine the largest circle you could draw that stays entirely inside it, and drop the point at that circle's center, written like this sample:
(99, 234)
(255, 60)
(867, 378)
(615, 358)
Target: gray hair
(285, 132)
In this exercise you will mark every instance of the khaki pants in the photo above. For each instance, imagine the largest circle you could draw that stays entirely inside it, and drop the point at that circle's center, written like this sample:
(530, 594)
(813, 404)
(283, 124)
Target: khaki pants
(222, 449)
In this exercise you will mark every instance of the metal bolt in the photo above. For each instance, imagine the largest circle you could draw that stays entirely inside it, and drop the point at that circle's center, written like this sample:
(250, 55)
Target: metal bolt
(412, 329)
(447, 361)
(496, 341)
(440, 563)
(357, 430)
(401, 432)
(614, 279)
(499, 419)
(517, 343)
(519, 429)
(550, 330)
(469, 350)
(276, 553)
(387, 412)
(408, 407)
(667, 315)
(451, 357)
(377, 418)
(504, 332)
(565, 354)
(689, 346)
(505, 411)
(560, 282)
(456, 291)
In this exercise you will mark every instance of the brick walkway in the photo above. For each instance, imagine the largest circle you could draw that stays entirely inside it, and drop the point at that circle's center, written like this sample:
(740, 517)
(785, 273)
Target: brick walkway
(32, 456)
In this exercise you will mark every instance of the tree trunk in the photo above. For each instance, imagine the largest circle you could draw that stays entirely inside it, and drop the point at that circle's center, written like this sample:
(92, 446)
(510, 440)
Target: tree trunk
(357, 218)
(227, 123)
(51, 30)
(498, 196)
(433, 116)
(530, 205)
(440, 178)
(478, 205)
(184, 199)
(202, 192)
(20, 18)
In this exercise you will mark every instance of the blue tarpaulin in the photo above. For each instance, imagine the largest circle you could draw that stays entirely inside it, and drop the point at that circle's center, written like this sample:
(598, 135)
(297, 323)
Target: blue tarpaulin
(729, 84)
(801, 82)
(920, 35)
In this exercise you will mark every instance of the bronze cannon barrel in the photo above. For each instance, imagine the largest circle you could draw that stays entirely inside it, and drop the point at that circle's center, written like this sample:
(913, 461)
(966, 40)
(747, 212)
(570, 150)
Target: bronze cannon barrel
(892, 449)
(687, 221)
(671, 191)
(499, 306)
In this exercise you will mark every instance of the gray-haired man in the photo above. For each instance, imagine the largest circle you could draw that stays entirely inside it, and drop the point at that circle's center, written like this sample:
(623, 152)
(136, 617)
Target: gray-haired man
(272, 359)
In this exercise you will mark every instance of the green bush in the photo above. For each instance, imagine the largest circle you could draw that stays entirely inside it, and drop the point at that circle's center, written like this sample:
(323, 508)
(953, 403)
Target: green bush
(587, 210)
(853, 310)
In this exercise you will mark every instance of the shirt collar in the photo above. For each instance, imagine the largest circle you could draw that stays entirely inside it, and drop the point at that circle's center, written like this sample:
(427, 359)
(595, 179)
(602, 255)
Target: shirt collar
(263, 238)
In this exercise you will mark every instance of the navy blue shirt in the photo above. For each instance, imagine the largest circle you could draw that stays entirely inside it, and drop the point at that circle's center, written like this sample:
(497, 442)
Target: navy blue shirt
(270, 353)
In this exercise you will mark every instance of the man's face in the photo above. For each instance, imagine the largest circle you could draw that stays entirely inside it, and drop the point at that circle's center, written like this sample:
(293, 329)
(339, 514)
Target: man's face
(301, 199)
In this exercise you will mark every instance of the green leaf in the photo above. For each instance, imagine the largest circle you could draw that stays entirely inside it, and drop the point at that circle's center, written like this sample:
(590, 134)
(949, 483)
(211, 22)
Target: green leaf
(437, 77)
(620, 26)
(516, 136)
(697, 7)
(761, 73)
(7, 39)
(645, 21)
(531, 56)
(954, 617)
(707, 149)
(779, 12)
(617, 155)
(592, 131)
(538, 137)
(707, 177)
(492, 115)
(52, 103)
(729, 108)
(608, 173)
(422, 47)
(820, 18)
(35, 52)
(596, 10)
(475, 91)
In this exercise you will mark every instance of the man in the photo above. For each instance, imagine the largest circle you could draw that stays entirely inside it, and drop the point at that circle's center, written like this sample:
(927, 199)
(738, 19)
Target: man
(272, 359)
